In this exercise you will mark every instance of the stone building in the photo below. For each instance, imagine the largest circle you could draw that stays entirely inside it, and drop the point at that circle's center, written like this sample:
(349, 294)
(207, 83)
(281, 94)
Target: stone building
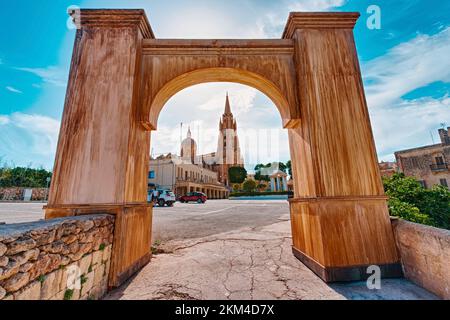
(175, 173)
(207, 173)
(388, 168)
(428, 164)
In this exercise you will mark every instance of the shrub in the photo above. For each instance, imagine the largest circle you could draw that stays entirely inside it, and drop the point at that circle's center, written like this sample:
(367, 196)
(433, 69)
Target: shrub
(249, 185)
(410, 201)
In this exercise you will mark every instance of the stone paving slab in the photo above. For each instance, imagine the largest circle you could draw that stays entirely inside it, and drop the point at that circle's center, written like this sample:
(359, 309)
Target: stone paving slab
(251, 263)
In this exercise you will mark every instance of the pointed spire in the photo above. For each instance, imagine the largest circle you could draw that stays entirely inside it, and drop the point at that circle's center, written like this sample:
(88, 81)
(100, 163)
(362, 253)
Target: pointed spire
(227, 105)
(189, 132)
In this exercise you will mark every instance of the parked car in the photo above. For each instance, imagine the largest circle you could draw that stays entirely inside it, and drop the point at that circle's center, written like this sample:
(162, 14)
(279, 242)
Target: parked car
(162, 197)
(198, 197)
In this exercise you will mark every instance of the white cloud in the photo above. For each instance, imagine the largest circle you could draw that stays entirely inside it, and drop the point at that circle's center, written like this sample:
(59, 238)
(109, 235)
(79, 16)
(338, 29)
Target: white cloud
(399, 123)
(408, 124)
(408, 66)
(12, 89)
(4, 120)
(52, 75)
(316, 5)
(28, 138)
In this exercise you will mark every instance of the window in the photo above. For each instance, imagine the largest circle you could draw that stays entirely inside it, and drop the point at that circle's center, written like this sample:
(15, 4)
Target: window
(151, 175)
(439, 160)
(444, 182)
(423, 183)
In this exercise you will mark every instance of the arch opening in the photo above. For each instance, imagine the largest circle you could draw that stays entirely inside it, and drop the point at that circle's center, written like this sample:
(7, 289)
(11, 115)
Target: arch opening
(219, 74)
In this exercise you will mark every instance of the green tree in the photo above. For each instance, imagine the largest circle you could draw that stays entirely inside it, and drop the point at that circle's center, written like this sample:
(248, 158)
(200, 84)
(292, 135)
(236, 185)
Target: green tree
(289, 168)
(23, 177)
(237, 174)
(249, 185)
(409, 200)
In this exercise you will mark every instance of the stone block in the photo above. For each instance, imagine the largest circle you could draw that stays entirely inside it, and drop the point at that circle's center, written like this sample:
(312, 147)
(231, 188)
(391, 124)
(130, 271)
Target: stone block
(51, 284)
(11, 269)
(69, 239)
(58, 296)
(24, 257)
(85, 263)
(107, 253)
(45, 238)
(85, 225)
(87, 286)
(4, 261)
(16, 282)
(2, 293)
(20, 246)
(26, 267)
(31, 292)
(99, 274)
(97, 257)
(3, 249)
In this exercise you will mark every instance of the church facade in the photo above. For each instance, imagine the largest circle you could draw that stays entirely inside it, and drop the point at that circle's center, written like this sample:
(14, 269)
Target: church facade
(206, 173)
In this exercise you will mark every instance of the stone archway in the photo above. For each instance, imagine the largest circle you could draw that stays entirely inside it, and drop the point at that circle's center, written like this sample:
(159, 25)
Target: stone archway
(120, 78)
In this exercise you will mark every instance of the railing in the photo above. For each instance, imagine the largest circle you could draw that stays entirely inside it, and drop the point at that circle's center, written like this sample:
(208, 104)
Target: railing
(439, 167)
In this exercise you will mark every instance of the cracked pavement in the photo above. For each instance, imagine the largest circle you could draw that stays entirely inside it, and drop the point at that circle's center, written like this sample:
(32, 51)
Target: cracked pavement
(251, 262)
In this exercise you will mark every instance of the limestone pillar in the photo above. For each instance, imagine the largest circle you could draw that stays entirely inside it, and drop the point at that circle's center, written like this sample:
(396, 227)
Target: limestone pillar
(101, 162)
(340, 220)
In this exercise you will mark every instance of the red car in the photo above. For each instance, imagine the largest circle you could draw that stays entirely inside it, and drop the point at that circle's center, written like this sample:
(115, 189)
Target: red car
(193, 197)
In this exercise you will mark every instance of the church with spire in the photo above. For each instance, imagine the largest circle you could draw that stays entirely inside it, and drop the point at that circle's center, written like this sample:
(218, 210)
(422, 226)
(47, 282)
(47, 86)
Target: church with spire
(207, 173)
(228, 150)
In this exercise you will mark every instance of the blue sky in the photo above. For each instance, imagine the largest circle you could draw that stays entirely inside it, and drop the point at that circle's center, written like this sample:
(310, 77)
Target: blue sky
(405, 65)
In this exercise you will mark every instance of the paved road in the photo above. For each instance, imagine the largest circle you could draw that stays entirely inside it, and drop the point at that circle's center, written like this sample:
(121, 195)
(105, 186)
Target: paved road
(184, 220)
(192, 220)
(21, 212)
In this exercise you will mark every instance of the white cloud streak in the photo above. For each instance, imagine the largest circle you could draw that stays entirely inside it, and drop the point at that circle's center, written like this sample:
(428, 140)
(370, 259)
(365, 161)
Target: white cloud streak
(14, 90)
(51, 75)
(28, 138)
(399, 123)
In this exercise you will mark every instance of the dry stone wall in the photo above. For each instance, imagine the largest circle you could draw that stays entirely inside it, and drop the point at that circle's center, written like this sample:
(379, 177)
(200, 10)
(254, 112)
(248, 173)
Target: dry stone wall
(59, 259)
(425, 254)
(17, 194)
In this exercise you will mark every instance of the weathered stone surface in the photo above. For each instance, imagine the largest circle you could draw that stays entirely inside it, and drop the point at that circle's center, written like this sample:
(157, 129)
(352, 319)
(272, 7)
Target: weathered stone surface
(11, 269)
(2, 293)
(30, 292)
(424, 258)
(87, 286)
(26, 267)
(40, 266)
(69, 239)
(107, 253)
(20, 246)
(51, 284)
(26, 256)
(3, 249)
(97, 257)
(84, 248)
(99, 274)
(85, 263)
(16, 282)
(48, 249)
(45, 238)
(4, 261)
(55, 247)
(74, 247)
(85, 225)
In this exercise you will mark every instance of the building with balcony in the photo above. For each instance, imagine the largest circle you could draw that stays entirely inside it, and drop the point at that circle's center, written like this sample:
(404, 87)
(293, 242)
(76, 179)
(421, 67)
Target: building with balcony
(428, 164)
(176, 174)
